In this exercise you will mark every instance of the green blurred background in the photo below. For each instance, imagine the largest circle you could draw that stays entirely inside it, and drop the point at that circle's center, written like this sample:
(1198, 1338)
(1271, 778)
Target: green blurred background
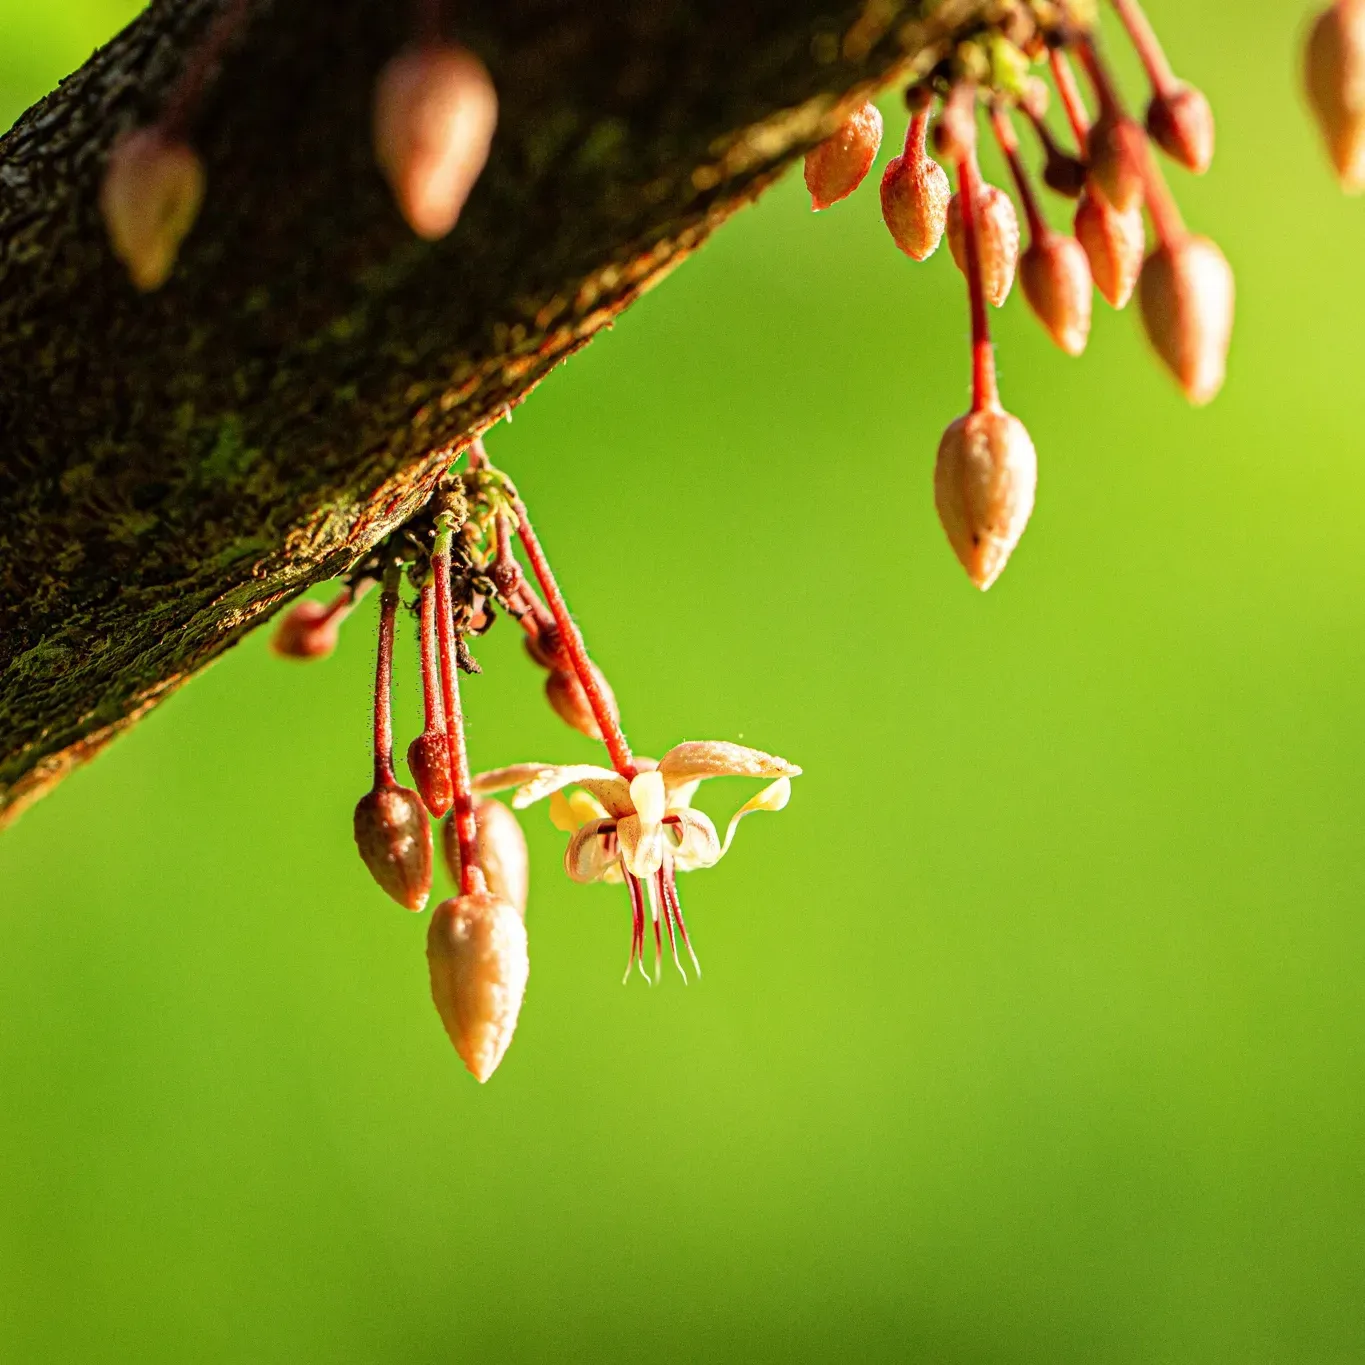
(1033, 1030)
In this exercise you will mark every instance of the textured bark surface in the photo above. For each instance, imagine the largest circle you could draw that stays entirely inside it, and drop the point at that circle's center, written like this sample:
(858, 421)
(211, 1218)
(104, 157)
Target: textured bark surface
(173, 467)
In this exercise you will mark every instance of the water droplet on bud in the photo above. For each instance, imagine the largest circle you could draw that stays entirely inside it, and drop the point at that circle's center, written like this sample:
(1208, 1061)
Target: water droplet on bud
(1187, 292)
(394, 839)
(1180, 122)
(1334, 73)
(1113, 244)
(477, 956)
(837, 166)
(501, 848)
(997, 236)
(1056, 280)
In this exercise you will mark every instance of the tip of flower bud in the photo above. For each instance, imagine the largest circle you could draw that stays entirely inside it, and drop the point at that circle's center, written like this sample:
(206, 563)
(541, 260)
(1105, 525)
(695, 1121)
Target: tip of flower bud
(429, 764)
(1113, 243)
(1187, 295)
(1180, 122)
(308, 630)
(500, 846)
(435, 110)
(477, 956)
(150, 196)
(394, 840)
(1112, 155)
(837, 166)
(1056, 279)
(984, 482)
(1334, 75)
(915, 197)
(997, 237)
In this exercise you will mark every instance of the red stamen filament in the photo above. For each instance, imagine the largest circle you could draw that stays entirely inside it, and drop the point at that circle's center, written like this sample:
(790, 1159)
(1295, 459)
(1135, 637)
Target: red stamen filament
(383, 682)
(985, 392)
(1147, 45)
(1070, 93)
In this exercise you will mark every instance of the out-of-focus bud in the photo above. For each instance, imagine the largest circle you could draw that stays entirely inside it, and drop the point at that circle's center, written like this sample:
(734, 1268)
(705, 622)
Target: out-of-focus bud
(955, 131)
(1056, 280)
(1334, 73)
(150, 196)
(1064, 174)
(565, 693)
(501, 849)
(997, 235)
(435, 110)
(429, 764)
(308, 630)
(984, 482)
(476, 952)
(394, 839)
(1186, 292)
(915, 195)
(837, 166)
(1180, 122)
(1112, 154)
(1113, 244)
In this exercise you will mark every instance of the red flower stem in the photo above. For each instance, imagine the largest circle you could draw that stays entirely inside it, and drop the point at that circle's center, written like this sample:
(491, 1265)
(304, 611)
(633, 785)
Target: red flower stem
(1009, 146)
(916, 136)
(985, 393)
(1147, 45)
(466, 832)
(571, 642)
(1070, 93)
(1167, 223)
(383, 681)
(188, 90)
(433, 707)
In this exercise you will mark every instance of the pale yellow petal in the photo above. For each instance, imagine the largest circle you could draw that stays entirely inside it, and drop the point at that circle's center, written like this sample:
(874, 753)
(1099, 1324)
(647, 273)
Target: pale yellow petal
(501, 779)
(647, 795)
(642, 846)
(773, 797)
(547, 780)
(694, 839)
(718, 758)
(591, 853)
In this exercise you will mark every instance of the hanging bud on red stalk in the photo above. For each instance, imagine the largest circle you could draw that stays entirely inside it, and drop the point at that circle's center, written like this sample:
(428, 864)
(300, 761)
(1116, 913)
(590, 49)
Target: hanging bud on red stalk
(1113, 243)
(500, 849)
(1180, 122)
(1056, 280)
(308, 630)
(429, 753)
(837, 166)
(1187, 292)
(955, 131)
(429, 764)
(477, 956)
(998, 235)
(394, 839)
(915, 194)
(570, 702)
(150, 196)
(1334, 75)
(435, 110)
(1114, 169)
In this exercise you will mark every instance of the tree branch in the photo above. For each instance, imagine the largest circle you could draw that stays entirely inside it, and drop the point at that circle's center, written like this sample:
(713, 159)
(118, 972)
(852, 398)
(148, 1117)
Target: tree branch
(177, 465)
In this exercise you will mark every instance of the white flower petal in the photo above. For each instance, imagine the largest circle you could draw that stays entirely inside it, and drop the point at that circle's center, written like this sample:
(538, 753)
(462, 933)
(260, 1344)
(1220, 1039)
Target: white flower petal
(694, 839)
(647, 795)
(591, 853)
(642, 846)
(718, 758)
(500, 779)
(773, 797)
(597, 780)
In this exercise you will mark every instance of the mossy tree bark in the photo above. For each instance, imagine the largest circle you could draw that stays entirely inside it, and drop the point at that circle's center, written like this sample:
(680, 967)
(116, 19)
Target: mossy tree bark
(175, 466)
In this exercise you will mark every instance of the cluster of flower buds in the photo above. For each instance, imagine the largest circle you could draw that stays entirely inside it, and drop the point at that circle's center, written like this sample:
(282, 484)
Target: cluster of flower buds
(631, 822)
(1334, 75)
(435, 110)
(986, 471)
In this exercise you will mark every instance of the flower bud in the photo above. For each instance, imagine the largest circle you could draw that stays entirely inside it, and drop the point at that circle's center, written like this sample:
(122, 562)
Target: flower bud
(476, 952)
(435, 110)
(152, 189)
(500, 846)
(1064, 174)
(565, 693)
(429, 764)
(915, 196)
(955, 131)
(1186, 292)
(1056, 280)
(1335, 77)
(1112, 153)
(1180, 122)
(308, 630)
(997, 235)
(394, 839)
(1113, 244)
(984, 481)
(837, 166)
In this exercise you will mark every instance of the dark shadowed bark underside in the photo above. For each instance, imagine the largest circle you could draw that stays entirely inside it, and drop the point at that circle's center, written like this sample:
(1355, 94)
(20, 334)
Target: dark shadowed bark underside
(173, 467)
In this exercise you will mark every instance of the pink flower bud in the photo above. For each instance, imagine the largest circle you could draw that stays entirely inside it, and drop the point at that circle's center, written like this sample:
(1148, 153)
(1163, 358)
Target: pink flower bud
(565, 693)
(394, 839)
(997, 233)
(1334, 73)
(476, 952)
(1056, 280)
(984, 481)
(837, 166)
(1180, 122)
(1112, 153)
(501, 849)
(915, 195)
(435, 110)
(149, 198)
(429, 764)
(308, 630)
(1113, 244)
(1186, 291)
